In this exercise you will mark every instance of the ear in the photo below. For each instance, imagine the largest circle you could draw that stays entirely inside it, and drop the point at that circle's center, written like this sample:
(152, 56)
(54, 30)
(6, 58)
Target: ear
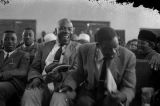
(55, 31)
(73, 29)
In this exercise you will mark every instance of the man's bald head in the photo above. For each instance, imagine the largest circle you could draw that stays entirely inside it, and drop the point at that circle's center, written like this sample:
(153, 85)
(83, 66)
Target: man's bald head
(65, 31)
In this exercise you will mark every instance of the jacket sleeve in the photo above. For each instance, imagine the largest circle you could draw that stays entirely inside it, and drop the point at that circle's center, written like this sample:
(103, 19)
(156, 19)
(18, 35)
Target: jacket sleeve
(22, 69)
(35, 70)
(129, 79)
(77, 74)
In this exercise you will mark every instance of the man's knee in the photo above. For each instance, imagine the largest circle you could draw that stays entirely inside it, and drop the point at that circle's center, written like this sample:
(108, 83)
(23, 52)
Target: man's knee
(32, 97)
(85, 101)
(6, 90)
(59, 99)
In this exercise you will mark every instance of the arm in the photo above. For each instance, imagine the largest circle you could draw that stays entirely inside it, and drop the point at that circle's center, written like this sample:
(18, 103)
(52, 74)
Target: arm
(129, 79)
(35, 68)
(77, 75)
(21, 71)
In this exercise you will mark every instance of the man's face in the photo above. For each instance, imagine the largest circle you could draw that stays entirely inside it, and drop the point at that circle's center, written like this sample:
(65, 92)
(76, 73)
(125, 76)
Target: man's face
(133, 45)
(65, 31)
(109, 49)
(9, 42)
(28, 37)
(142, 46)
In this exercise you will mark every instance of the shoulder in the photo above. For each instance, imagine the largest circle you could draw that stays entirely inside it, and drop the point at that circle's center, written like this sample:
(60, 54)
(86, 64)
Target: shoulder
(22, 53)
(87, 46)
(47, 44)
(124, 52)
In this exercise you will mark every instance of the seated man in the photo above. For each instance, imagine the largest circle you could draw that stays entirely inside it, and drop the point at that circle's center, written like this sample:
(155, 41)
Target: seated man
(13, 68)
(105, 75)
(28, 43)
(62, 51)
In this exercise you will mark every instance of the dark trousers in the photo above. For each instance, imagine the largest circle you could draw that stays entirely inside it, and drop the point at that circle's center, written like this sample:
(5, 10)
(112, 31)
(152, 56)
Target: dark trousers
(88, 98)
(7, 90)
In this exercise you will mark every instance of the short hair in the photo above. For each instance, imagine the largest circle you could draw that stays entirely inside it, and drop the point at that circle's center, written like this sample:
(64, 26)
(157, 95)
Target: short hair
(26, 29)
(8, 31)
(64, 20)
(105, 34)
(132, 40)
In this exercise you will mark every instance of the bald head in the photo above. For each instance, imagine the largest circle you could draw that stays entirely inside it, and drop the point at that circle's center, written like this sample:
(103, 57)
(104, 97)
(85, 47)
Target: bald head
(65, 31)
(64, 21)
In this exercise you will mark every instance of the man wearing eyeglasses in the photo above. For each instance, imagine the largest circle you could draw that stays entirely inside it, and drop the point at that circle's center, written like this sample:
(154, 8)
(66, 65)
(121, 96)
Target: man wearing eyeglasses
(61, 51)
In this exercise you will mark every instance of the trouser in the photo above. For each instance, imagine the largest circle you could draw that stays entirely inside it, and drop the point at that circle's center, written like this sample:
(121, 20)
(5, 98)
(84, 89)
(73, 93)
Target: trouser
(84, 98)
(7, 90)
(36, 97)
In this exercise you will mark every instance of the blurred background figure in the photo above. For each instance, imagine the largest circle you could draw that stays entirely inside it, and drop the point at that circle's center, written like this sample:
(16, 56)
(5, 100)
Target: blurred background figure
(49, 37)
(132, 45)
(83, 38)
(74, 37)
(158, 44)
(27, 44)
(41, 39)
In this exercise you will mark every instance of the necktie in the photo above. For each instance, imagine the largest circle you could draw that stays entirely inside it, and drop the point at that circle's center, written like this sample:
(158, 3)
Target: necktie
(58, 54)
(6, 57)
(100, 87)
(103, 71)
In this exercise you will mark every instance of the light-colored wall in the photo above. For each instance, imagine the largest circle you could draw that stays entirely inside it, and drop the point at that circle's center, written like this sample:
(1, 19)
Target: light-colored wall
(48, 12)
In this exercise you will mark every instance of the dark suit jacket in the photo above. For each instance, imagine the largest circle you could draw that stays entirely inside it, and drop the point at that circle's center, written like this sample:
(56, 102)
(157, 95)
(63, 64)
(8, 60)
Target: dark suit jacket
(32, 50)
(39, 61)
(122, 68)
(17, 66)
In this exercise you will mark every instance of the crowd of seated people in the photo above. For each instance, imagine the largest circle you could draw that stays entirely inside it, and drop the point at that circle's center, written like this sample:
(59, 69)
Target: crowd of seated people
(74, 72)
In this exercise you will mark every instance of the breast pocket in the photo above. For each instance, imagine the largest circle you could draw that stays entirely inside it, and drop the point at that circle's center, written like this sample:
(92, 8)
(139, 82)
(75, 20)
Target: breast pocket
(12, 63)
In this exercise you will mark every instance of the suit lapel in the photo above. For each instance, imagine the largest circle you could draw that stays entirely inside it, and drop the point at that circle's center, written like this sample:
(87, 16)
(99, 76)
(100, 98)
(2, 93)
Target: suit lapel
(11, 58)
(93, 69)
(47, 49)
(69, 52)
(116, 68)
(1, 58)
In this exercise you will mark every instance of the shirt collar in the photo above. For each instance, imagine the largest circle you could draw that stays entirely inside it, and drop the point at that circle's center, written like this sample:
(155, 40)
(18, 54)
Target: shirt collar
(26, 46)
(9, 52)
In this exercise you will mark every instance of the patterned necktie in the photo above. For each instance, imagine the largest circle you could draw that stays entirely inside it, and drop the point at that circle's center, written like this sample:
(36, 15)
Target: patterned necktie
(58, 54)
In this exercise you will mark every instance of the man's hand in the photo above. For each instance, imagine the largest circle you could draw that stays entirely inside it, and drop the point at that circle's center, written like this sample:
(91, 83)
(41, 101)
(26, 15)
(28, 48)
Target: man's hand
(71, 94)
(118, 97)
(36, 82)
(155, 62)
(53, 77)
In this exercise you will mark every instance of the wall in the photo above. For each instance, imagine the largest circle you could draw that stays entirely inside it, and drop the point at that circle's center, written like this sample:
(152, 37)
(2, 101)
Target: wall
(48, 12)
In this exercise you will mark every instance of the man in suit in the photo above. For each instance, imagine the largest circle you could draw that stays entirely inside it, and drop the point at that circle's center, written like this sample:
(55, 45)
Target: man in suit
(28, 44)
(47, 55)
(13, 68)
(105, 75)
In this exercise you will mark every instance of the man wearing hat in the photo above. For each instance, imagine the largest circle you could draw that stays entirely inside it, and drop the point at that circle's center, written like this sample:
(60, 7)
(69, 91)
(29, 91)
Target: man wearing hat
(146, 48)
(105, 75)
